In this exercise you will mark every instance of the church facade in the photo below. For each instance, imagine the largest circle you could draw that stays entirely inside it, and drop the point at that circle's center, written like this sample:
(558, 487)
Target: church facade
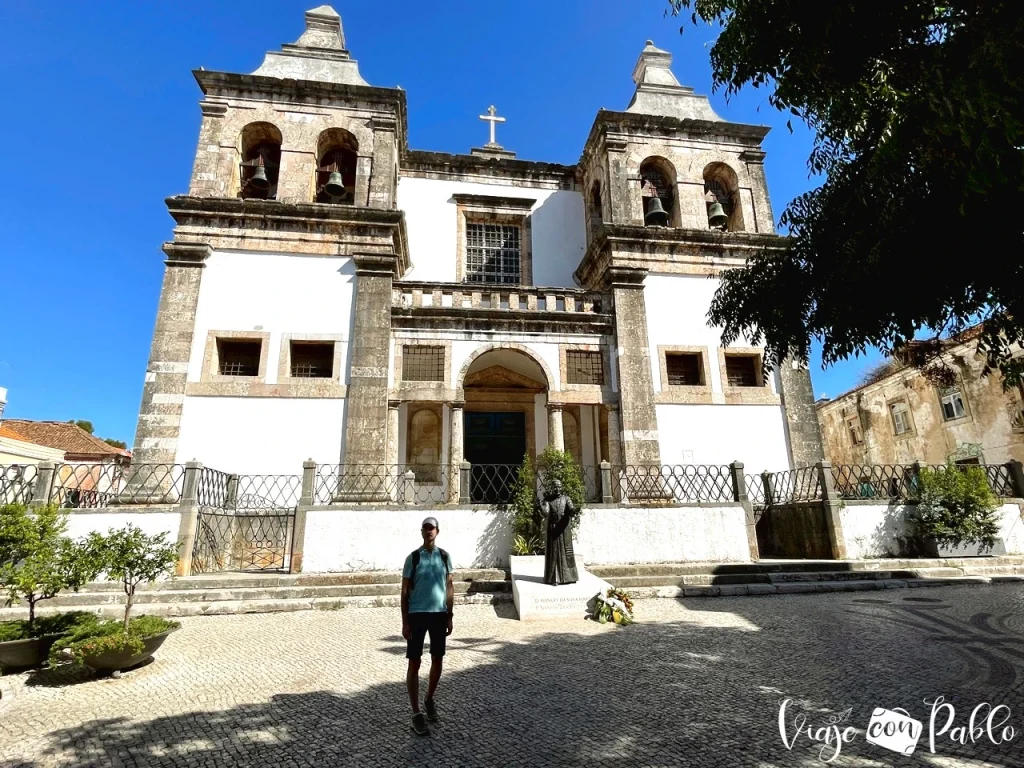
(332, 294)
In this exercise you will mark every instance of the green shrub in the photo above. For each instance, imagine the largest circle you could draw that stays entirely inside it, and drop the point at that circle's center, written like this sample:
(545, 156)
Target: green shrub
(110, 635)
(58, 624)
(37, 560)
(956, 506)
(529, 528)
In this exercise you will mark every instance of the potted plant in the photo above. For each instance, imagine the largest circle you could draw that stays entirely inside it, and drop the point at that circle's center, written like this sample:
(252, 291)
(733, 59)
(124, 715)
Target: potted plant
(36, 562)
(956, 508)
(133, 558)
(529, 530)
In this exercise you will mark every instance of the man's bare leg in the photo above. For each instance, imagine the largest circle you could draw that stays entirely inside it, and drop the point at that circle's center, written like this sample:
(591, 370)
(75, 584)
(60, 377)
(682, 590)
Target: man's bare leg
(435, 675)
(412, 683)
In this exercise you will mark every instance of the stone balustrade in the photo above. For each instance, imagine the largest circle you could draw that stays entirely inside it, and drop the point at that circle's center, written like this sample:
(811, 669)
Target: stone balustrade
(511, 298)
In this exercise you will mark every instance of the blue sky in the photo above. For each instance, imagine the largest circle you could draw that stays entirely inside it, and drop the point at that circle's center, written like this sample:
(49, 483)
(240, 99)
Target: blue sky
(102, 123)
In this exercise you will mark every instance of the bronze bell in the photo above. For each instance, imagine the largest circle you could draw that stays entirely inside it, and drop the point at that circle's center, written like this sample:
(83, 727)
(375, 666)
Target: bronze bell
(716, 215)
(335, 186)
(656, 215)
(259, 180)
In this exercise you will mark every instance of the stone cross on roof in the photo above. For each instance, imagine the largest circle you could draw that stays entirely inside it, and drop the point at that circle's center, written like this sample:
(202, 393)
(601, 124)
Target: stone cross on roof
(493, 119)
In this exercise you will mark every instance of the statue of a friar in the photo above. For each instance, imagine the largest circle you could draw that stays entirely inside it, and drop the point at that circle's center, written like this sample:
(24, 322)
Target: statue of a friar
(559, 559)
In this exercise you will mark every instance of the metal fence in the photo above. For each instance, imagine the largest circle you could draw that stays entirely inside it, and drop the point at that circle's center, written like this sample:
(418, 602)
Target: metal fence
(212, 488)
(17, 483)
(901, 482)
(401, 483)
(682, 483)
(261, 492)
(90, 486)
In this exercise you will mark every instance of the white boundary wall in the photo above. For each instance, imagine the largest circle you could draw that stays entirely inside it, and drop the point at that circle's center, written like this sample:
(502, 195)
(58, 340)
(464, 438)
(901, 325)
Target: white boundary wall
(379, 538)
(873, 530)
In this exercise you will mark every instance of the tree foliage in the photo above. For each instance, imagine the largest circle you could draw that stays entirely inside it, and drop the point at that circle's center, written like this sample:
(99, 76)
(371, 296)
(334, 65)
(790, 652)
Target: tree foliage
(918, 112)
(529, 528)
(956, 506)
(133, 557)
(116, 443)
(82, 424)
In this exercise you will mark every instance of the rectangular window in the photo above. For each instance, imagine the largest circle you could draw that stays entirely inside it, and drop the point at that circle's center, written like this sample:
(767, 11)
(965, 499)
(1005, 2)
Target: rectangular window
(238, 357)
(583, 367)
(684, 369)
(900, 418)
(312, 359)
(952, 403)
(493, 253)
(422, 363)
(741, 370)
(856, 436)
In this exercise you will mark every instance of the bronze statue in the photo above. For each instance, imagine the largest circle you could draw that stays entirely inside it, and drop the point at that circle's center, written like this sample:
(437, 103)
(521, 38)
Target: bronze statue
(559, 558)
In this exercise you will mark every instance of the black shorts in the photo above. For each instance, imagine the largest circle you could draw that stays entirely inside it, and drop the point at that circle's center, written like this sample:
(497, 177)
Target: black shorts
(422, 623)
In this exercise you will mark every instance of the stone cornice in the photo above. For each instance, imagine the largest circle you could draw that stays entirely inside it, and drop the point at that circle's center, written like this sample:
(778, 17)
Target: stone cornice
(186, 254)
(234, 85)
(491, 201)
(501, 321)
(665, 249)
(297, 219)
(445, 165)
(375, 264)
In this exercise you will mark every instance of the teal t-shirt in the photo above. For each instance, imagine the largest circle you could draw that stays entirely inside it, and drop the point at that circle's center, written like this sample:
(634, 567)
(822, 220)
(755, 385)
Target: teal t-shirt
(429, 588)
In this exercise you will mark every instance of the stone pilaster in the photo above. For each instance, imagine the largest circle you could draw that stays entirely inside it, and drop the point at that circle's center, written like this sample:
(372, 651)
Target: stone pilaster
(213, 172)
(366, 407)
(636, 385)
(392, 456)
(556, 435)
(455, 455)
(619, 188)
(614, 436)
(384, 166)
(764, 219)
(163, 394)
(803, 432)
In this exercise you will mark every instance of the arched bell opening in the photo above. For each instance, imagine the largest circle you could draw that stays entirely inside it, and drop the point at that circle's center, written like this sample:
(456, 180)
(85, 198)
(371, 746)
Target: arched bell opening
(658, 193)
(261, 161)
(721, 198)
(337, 155)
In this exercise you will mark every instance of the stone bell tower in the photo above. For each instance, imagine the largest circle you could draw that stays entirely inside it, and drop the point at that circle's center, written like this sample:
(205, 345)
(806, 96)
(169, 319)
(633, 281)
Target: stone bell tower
(671, 188)
(299, 158)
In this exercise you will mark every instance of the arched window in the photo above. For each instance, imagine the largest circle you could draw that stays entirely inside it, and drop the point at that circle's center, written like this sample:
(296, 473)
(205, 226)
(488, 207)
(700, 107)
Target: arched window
(595, 210)
(658, 192)
(721, 198)
(424, 445)
(337, 151)
(261, 161)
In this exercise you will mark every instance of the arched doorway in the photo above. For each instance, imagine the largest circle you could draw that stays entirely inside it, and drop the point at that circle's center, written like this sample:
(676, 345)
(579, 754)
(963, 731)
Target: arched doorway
(504, 389)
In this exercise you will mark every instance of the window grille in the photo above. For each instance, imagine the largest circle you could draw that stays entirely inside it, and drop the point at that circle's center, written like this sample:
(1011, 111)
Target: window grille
(952, 403)
(583, 367)
(683, 368)
(741, 370)
(238, 357)
(900, 418)
(422, 363)
(492, 253)
(312, 360)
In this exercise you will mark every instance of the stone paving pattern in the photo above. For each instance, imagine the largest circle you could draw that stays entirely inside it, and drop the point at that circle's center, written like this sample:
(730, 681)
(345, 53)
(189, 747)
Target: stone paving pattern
(697, 682)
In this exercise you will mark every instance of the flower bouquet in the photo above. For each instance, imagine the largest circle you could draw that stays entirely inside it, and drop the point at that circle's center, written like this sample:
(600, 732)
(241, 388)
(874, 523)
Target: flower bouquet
(615, 606)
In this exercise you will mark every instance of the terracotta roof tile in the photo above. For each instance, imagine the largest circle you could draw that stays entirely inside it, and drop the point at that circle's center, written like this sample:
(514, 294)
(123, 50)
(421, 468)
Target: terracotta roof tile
(70, 438)
(10, 434)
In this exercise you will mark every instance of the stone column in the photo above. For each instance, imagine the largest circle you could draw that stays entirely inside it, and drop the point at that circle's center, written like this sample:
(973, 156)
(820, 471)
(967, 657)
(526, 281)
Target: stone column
(636, 384)
(188, 524)
(163, 394)
(832, 506)
(214, 171)
(614, 436)
(619, 189)
(556, 435)
(455, 457)
(306, 498)
(392, 454)
(384, 164)
(803, 432)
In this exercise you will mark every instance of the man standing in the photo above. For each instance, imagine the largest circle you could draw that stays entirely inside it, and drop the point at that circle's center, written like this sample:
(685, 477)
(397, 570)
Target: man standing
(428, 596)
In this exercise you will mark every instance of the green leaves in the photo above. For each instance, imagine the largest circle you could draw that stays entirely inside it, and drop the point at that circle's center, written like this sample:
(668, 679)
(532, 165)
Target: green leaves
(956, 506)
(529, 529)
(132, 557)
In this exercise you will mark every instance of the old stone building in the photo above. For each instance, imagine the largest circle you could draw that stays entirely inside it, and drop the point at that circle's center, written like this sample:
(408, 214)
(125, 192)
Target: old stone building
(904, 417)
(331, 293)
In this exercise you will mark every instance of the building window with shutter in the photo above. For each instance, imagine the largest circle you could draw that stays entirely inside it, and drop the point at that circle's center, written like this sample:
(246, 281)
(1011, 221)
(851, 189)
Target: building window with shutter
(952, 403)
(583, 367)
(684, 369)
(900, 412)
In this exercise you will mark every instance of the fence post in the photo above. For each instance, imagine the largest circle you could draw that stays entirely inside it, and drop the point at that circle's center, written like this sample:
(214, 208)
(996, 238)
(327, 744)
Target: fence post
(831, 506)
(739, 482)
(1016, 470)
(188, 508)
(409, 488)
(464, 469)
(306, 499)
(766, 482)
(42, 490)
(308, 481)
(606, 483)
(231, 494)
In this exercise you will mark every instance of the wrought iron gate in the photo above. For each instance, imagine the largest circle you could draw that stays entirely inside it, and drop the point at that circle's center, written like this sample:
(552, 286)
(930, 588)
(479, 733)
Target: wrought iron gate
(249, 540)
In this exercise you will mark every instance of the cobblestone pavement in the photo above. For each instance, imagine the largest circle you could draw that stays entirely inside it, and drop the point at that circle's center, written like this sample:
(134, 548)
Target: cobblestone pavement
(698, 682)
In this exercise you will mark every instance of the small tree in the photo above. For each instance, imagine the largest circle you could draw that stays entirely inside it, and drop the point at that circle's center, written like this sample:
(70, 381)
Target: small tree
(529, 529)
(133, 558)
(957, 506)
(36, 559)
(553, 464)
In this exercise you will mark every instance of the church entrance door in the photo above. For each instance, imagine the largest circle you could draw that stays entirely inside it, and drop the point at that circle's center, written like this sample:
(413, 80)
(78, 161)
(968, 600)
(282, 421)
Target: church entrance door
(494, 444)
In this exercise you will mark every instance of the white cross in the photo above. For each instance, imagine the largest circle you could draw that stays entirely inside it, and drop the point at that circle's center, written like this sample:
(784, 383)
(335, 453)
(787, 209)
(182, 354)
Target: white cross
(492, 119)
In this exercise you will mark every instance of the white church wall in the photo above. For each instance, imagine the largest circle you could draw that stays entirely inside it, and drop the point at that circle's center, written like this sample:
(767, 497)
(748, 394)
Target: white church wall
(261, 435)
(720, 434)
(556, 220)
(276, 294)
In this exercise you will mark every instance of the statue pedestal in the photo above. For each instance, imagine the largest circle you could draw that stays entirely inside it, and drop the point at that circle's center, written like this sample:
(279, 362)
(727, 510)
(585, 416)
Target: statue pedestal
(537, 601)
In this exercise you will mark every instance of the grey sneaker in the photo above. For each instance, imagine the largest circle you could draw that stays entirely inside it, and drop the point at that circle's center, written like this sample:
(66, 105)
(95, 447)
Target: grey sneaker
(428, 704)
(419, 724)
